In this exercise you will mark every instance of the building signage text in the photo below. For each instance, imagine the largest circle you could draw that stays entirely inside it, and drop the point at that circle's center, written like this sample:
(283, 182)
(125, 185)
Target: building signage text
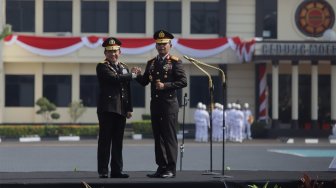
(297, 49)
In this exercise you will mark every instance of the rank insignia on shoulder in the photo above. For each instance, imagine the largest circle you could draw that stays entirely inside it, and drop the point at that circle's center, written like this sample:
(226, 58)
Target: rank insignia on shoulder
(174, 58)
(151, 60)
(103, 62)
(123, 64)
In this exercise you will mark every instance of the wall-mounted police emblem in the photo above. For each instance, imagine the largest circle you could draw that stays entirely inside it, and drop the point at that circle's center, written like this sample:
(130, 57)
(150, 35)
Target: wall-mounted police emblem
(314, 17)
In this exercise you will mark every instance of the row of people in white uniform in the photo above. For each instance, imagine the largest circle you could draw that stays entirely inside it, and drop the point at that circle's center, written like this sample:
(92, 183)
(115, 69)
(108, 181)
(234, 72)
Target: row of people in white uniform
(237, 123)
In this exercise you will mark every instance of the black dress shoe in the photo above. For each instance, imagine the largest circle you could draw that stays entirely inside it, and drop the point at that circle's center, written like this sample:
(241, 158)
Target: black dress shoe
(103, 176)
(167, 174)
(154, 175)
(119, 175)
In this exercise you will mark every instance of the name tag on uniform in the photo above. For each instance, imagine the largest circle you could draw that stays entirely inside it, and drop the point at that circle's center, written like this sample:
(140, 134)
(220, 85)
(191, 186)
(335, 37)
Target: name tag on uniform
(124, 71)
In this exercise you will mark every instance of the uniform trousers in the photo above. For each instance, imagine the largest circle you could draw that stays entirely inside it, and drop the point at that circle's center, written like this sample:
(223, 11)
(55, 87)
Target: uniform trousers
(111, 132)
(166, 144)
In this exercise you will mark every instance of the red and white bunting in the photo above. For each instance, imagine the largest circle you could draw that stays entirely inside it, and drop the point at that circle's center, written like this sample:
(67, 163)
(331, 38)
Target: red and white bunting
(199, 48)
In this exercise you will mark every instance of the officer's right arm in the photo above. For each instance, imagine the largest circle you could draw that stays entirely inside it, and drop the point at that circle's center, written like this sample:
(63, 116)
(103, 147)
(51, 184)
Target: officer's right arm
(105, 73)
(144, 79)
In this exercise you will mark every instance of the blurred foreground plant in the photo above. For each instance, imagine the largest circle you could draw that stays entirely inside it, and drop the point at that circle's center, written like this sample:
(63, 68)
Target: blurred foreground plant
(307, 182)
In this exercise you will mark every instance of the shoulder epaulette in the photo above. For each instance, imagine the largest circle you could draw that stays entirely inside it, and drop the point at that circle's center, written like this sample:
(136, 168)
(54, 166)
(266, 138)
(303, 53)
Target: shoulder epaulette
(174, 58)
(103, 61)
(123, 64)
(151, 60)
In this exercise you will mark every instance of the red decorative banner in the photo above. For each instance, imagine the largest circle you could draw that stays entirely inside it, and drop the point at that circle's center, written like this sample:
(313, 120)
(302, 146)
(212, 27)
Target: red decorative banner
(199, 48)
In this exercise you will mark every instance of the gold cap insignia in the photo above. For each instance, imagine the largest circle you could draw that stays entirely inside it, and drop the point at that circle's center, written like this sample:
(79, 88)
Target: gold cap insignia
(111, 42)
(161, 34)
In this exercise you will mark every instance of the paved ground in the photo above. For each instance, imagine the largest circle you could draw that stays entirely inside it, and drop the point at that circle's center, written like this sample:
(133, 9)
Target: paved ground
(52, 155)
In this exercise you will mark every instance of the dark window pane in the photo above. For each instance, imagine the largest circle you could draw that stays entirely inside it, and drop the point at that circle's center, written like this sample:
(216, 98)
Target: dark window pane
(138, 94)
(95, 16)
(266, 18)
(199, 90)
(21, 15)
(167, 15)
(57, 89)
(57, 16)
(285, 98)
(304, 99)
(19, 90)
(89, 89)
(204, 18)
(131, 17)
(324, 96)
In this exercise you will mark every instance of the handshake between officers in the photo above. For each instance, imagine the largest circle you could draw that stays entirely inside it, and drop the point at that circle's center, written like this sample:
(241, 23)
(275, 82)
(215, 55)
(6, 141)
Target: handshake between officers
(166, 75)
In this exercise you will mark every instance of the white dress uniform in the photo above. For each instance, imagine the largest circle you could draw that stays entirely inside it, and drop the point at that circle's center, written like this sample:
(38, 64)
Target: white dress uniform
(248, 119)
(217, 123)
(227, 122)
(238, 123)
(198, 121)
(232, 122)
(205, 124)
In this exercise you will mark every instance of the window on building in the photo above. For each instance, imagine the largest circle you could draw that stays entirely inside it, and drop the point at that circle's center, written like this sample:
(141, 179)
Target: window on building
(266, 18)
(285, 98)
(204, 18)
(138, 95)
(131, 17)
(57, 16)
(19, 90)
(167, 15)
(199, 90)
(21, 15)
(95, 16)
(324, 103)
(57, 89)
(89, 90)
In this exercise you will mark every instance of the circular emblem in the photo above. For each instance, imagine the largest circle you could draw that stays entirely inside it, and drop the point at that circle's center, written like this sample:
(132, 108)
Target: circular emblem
(112, 42)
(313, 17)
(161, 34)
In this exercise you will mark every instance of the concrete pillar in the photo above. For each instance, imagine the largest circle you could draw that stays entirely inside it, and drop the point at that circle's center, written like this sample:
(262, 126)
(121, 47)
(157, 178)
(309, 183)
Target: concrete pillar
(275, 94)
(75, 83)
(76, 17)
(39, 17)
(113, 17)
(185, 17)
(149, 18)
(295, 95)
(314, 94)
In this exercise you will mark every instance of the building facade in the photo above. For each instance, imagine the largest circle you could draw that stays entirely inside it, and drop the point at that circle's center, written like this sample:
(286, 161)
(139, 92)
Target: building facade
(55, 47)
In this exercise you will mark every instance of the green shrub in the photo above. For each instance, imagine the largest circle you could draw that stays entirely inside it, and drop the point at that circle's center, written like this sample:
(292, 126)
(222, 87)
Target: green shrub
(146, 117)
(142, 127)
(48, 131)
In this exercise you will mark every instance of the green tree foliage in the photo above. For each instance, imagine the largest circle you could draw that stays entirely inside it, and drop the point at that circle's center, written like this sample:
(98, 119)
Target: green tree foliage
(76, 110)
(47, 110)
(7, 30)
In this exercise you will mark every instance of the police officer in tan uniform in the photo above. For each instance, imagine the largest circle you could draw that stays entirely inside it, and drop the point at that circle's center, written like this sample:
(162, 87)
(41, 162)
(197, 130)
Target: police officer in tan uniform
(114, 106)
(166, 75)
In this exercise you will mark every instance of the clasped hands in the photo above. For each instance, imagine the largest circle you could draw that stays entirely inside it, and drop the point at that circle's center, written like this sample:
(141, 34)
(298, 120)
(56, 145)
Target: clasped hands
(136, 70)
